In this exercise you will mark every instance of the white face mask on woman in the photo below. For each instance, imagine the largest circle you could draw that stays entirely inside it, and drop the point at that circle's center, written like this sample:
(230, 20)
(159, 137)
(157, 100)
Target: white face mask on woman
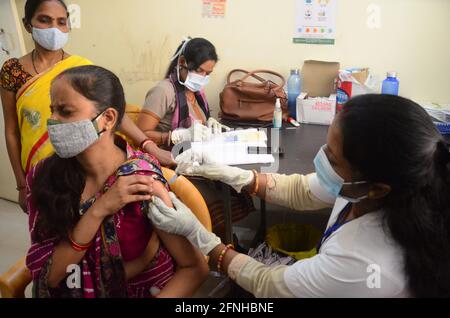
(195, 82)
(52, 39)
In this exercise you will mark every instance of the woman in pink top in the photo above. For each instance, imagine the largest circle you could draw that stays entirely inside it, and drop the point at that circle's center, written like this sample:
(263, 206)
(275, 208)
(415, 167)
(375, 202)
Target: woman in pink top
(88, 204)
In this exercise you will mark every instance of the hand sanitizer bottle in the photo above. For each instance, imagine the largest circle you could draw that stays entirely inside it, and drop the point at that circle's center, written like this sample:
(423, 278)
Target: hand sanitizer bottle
(277, 115)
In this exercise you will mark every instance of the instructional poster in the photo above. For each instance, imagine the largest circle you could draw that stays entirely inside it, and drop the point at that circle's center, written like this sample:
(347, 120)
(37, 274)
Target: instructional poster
(315, 22)
(214, 8)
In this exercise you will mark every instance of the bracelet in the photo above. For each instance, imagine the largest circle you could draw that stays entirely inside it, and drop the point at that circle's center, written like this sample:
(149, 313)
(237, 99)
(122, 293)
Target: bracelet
(169, 139)
(78, 247)
(145, 143)
(255, 190)
(222, 255)
(20, 188)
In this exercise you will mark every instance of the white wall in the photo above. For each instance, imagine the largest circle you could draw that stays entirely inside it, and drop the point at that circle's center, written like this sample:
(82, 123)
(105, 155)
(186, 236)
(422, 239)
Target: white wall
(135, 38)
(8, 22)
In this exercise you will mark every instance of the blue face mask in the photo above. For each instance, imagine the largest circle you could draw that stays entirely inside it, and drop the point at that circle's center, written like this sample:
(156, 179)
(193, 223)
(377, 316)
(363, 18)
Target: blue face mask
(330, 180)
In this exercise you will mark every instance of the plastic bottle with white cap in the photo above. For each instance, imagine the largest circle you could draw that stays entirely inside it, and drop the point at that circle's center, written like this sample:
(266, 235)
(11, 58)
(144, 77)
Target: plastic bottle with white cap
(390, 84)
(277, 115)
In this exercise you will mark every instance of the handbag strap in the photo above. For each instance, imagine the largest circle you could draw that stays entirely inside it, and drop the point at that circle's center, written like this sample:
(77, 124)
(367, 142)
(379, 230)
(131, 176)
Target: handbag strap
(253, 74)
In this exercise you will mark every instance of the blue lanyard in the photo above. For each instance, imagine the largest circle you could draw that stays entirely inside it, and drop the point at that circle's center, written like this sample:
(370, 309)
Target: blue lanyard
(335, 226)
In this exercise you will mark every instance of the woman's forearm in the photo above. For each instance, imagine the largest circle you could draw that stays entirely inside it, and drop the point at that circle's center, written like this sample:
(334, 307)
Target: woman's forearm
(159, 138)
(129, 128)
(215, 254)
(64, 255)
(184, 283)
(13, 146)
(255, 277)
(262, 182)
(12, 134)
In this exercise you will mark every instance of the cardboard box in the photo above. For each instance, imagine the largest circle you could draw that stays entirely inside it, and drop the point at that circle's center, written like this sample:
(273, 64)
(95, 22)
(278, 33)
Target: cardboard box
(353, 82)
(316, 110)
(319, 77)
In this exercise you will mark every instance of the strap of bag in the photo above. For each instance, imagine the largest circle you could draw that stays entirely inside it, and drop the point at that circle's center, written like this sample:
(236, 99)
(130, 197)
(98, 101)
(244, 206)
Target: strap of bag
(253, 74)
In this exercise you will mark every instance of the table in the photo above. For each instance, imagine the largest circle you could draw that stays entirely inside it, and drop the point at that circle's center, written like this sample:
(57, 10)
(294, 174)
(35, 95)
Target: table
(300, 147)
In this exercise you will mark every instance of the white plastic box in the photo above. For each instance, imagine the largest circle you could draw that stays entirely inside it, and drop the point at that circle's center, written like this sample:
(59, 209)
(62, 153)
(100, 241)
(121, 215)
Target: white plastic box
(318, 110)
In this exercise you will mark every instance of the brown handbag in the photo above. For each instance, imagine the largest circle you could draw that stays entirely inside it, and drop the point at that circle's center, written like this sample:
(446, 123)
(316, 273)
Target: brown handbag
(247, 101)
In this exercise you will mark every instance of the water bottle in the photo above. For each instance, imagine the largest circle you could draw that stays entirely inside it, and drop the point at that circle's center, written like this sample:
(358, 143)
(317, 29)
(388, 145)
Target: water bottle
(277, 115)
(390, 84)
(294, 89)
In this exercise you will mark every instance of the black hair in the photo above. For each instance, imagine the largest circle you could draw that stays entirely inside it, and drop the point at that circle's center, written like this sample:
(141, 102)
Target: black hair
(392, 140)
(31, 6)
(196, 52)
(58, 183)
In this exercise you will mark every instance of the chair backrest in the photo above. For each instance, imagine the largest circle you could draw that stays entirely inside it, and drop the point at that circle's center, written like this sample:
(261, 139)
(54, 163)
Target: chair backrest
(133, 112)
(14, 282)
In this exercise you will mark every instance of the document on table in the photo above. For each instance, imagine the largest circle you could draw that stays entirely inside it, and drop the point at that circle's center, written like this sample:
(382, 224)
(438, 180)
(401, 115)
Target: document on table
(231, 148)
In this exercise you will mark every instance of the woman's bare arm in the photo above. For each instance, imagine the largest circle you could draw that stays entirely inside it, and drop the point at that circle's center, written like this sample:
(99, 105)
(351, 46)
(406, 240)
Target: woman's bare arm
(13, 140)
(129, 128)
(192, 269)
(148, 123)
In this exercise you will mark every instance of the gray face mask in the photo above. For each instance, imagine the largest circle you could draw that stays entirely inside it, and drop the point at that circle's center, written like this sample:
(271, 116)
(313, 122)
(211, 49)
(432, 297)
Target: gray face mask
(71, 139)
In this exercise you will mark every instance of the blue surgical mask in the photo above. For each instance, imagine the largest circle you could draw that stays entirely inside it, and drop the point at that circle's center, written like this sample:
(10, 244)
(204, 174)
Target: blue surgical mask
(330, 180)
(52, 39)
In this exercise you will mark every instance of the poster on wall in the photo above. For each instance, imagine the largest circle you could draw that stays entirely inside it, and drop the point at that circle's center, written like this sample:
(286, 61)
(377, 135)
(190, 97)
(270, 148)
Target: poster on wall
(315, 22)
(214, 8)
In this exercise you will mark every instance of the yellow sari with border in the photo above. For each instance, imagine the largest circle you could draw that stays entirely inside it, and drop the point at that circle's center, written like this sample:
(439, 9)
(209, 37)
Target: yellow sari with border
(33, 110)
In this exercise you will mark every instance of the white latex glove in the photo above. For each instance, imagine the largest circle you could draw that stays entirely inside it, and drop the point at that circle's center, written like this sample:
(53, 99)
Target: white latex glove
(181, 221)
(193, 163)
(215, 126)
(197, 132)
(196, 156)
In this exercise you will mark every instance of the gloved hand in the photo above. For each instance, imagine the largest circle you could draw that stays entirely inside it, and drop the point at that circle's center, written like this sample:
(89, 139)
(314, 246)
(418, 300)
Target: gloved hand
(197, 132)
(215, 126)
(194, 163)
(181, 221)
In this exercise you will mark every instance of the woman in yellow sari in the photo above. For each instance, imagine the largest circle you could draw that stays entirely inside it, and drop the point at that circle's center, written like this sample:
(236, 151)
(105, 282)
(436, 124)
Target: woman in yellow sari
(25, 90)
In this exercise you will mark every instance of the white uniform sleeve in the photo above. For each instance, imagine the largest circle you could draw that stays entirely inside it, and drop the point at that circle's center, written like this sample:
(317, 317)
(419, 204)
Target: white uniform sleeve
(259, 279)
(297, 192)
(337, 276)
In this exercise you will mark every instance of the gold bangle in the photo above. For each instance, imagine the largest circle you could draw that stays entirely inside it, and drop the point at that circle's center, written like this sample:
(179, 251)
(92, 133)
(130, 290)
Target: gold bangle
(169, 139)
(222, 255)
(256, 188)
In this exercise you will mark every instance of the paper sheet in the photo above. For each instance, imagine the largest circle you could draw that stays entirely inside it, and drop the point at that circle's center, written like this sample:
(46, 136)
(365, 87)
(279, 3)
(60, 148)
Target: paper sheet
(231, 148)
